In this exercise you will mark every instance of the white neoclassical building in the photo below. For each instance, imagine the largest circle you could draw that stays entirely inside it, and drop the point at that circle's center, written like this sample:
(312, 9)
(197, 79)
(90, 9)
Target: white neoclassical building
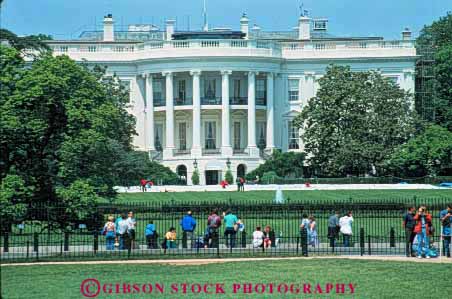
(219, 98)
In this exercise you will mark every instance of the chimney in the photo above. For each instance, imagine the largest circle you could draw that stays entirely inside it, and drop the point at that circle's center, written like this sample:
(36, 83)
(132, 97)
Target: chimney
(244, 25)
(304, 28)
(170, 29)
(109, 32)
(406, 34)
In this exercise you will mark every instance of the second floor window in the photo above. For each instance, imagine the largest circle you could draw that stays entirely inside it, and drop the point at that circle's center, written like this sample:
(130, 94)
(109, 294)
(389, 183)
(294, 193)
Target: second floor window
(209, 89)
(236, 88)
(181, 88)
(293, 89)
(157, 89)
(260, 89)
(293, 136)
(210, 133)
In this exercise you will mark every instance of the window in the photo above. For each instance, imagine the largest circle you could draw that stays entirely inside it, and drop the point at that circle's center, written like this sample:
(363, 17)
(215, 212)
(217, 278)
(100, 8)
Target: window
(261, 135)
(236, 88)
(157, 87)
(92, 48)
(293, 89)
(181, 88)
(209, 89)
(293, 136)
(210, 133)
(64, 48)
(320, 25)
(158, 137)
(182, 136)
(260, 89)
(237, 145)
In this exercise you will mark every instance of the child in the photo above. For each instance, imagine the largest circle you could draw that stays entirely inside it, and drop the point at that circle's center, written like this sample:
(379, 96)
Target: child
(258, 237)
(267, 239)
(171, 238)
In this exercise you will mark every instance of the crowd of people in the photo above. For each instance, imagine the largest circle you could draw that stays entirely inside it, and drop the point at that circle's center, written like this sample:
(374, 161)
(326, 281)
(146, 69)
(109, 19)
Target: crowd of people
(418, 226)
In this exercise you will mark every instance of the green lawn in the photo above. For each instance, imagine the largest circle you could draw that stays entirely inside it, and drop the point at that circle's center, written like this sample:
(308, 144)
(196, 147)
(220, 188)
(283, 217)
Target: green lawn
(371, 279)
(302, 195)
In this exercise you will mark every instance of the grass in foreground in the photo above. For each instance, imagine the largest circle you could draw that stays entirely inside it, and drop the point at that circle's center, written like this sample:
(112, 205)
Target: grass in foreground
(302, 195)
(371, 279)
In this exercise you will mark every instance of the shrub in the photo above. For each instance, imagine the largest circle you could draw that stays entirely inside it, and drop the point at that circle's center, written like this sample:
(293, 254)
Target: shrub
(269, 177)
(195, 177)
(228, 177)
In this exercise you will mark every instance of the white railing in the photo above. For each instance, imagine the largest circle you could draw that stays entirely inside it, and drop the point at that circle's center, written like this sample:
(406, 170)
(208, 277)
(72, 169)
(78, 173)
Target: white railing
(253, 48)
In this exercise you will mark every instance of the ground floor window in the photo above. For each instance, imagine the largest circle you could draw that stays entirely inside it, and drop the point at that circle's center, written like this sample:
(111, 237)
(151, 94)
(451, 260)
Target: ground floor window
(293, 136)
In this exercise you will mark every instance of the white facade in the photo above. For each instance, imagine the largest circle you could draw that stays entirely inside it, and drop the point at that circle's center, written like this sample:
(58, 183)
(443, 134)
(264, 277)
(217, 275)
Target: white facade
(219, 100)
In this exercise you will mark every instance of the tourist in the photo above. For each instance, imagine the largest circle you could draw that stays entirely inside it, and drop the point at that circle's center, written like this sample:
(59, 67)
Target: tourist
(268, 235)
(170, 237)
(151, 235)
(213, 223)
(333, 228)
(237, 180)
(446, 221)
(120, 217)
(122, 230)
(345, 223)
(242, 184)
(422, 229)
(110, 233)
(224, 184)
(408, 225)
(313, 237)
(230, 223)
(258, 237)
(188, 225)
(143, 183)
(131, 225)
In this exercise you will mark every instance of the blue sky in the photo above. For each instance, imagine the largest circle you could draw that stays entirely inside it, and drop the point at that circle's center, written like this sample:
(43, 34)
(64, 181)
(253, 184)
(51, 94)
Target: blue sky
(66, 18)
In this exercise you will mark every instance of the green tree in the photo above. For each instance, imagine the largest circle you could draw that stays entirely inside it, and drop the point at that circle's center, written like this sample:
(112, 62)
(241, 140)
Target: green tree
(228, 177)
(289, 164)
(434, 78)
(60, 123)
(13, 200)
(195, 177)
(22, 43)
(355, 122)
(429, 153)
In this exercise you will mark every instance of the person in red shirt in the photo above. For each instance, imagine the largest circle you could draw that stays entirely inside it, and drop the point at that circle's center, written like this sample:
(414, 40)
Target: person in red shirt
(224, 184)
(423, 230)
(143, 185)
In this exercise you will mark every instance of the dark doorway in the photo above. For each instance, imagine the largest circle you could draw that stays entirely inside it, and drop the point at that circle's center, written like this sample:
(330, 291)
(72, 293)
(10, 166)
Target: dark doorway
(212, 177)
(181, 171)
(241, 171)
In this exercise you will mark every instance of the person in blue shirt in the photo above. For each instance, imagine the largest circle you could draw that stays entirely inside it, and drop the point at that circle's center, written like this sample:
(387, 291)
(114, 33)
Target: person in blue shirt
(151, 235)
(188, 225)
(230, 222)
(446, 221)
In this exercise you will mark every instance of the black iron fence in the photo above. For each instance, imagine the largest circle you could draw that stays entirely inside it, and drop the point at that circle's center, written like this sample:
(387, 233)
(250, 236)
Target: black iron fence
(50, 232)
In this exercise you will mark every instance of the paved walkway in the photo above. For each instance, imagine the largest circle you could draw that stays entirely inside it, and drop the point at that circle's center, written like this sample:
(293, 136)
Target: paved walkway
(171, 188)
(194, 262)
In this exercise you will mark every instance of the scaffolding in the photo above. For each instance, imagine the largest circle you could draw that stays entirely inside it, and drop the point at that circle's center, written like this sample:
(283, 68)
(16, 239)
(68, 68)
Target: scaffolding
(425, 83)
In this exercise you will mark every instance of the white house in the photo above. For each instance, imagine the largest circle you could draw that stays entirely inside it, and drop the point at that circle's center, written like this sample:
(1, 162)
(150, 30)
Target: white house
(220, 98)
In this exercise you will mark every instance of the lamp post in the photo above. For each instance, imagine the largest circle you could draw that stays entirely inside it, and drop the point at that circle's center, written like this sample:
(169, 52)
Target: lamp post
(195, 164)
(228, 163)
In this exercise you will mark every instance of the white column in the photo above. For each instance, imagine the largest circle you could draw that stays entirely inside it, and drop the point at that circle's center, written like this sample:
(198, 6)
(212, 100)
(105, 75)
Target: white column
(168, 151)
(270, 113)
(226, 148)
(196, 150)
(252, 148)
(150, 112)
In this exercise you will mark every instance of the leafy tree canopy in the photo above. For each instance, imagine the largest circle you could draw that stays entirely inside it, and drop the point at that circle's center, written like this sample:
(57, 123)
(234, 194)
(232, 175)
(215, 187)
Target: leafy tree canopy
(355, 122)
(289, 164)
(21, 43)
(429, 153)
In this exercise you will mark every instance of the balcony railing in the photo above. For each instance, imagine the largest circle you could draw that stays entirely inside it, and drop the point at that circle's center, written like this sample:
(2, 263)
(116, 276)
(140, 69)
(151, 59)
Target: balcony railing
(182, 102)
(159, 102)
(211, 101)
(261, 101)
(211, 151)
(179, 152)
(238, 101)
(238, 151)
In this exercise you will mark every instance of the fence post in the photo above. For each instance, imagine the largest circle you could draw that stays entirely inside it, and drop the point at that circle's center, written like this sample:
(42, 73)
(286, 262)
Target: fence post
(66, 241)
(95, 241)
(361, 240)
(244, 239)
(304, 242)
(35, 242)
(298, 245)
(368, 243)
(6, 242)
(28, 249)
(392, 238)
